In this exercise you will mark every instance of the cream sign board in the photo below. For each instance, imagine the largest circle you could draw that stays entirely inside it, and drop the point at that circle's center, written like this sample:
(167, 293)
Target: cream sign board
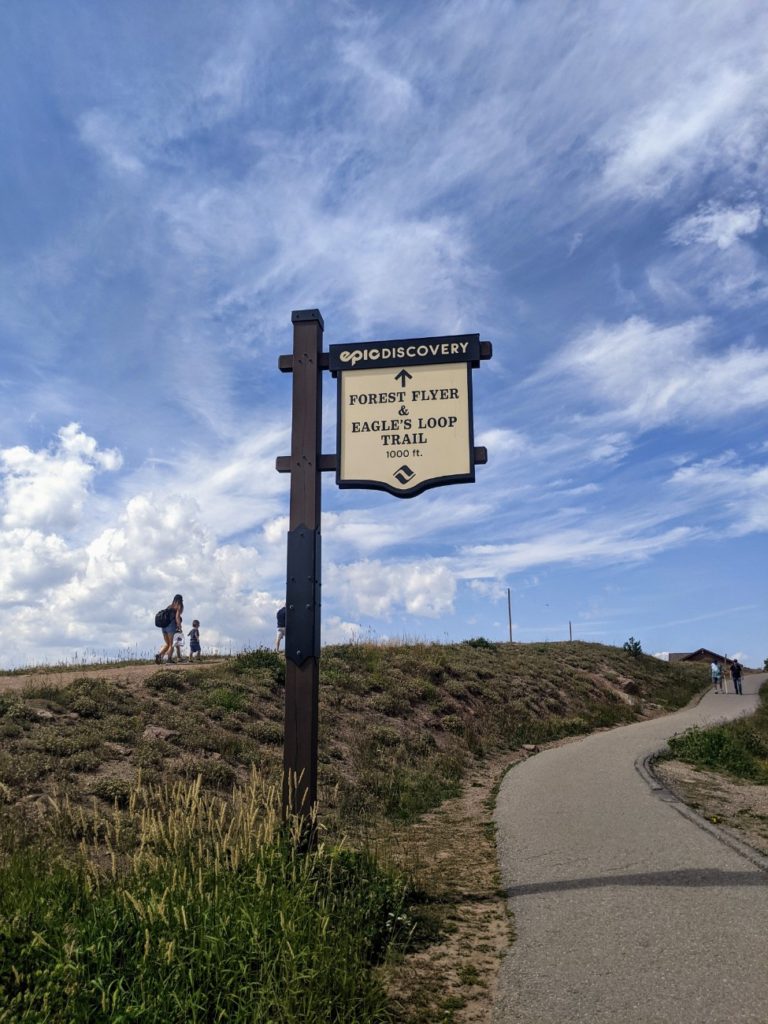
(405, 413)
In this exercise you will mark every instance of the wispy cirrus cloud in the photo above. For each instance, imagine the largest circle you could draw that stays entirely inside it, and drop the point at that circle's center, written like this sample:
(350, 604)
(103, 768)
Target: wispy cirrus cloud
(668, 139)
(717, 224)
(645, 375)
(737, 491)
(613, 542)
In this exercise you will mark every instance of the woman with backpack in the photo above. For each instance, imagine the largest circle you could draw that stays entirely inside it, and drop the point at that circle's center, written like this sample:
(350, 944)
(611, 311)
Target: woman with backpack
(169, 621)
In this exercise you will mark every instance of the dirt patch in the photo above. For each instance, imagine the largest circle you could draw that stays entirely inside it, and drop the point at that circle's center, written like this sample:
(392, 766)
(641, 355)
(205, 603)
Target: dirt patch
(735, 806)
(452, 854)
(132, 674)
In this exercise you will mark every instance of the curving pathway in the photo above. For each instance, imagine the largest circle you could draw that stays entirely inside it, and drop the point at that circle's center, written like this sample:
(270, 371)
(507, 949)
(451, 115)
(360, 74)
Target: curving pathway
(625, 911)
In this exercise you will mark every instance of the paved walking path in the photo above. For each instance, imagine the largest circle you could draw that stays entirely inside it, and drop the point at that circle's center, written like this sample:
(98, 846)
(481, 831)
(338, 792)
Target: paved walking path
(625, 911)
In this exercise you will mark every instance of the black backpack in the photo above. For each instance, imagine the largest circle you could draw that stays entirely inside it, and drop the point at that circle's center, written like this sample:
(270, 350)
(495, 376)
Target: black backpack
(163, 617)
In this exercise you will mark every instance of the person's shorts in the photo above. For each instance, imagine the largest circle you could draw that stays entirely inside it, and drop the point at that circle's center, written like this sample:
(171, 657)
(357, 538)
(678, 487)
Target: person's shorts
(194, 647)
(169, 630)
(281, 632)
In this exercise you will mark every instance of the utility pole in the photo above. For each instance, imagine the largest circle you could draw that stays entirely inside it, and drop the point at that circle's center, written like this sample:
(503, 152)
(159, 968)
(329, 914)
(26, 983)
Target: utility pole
(509, 610)
(570, 631)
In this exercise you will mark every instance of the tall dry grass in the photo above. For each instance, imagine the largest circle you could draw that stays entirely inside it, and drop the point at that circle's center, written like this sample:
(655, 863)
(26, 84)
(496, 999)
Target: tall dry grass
(185, 906)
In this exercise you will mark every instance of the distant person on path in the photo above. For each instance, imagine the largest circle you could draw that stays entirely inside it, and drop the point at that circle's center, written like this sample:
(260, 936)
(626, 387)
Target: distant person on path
(280, 627)
(194, 640)
(736, 675)
(170, 626)
(717, 677)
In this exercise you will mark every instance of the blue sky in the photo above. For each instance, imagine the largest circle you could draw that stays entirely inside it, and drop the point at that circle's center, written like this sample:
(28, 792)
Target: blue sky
(583, 184)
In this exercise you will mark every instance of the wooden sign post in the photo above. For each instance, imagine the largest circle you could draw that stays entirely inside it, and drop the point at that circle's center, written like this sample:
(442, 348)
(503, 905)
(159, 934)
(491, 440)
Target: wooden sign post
(404, 425)
(302, 622)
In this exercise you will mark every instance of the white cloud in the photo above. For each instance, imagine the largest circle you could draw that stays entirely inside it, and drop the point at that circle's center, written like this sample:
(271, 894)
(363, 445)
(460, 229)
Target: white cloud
(99, 586)
(492, 590)
(523, 464)
(108, 591)
(365, 531)
(388, 94)
(338, 631)
(644, 375)
(716, 262)
(276, 530)
(223, 86)
(575, 492)
(502, 441)
(718, 266)
(739, 491)
(676, 132)
(424, 587)
(48, 489)
(235, 482)
(111, 140)
(609, 448)
(716, 224)
(599, 542)
(32, 562)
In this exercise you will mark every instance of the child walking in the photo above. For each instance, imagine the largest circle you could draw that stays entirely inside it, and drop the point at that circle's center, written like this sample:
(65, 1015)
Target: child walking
(194, 640)
(178, 643)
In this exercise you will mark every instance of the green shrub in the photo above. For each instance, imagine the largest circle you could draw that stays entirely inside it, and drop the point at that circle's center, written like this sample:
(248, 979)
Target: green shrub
(425, 691)
(261, 658)
(82, 761)
(24, 767)
(226, 698)
(165, 679)
(213, 772)
(267, 732)
(453, 723)
(121, 728)
(67, 741)
(384, 735)
(391, 704)
(481, 643)
(113, 790)
(734, 747)
(14, 710)
(86, 706)
(456, 689)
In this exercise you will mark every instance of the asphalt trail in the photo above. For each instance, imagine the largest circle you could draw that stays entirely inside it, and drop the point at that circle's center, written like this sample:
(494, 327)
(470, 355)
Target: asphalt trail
(625, 911)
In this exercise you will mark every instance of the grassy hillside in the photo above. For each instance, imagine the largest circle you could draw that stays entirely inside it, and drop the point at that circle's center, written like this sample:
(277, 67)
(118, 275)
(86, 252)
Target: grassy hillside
(181, 898)
(398, 724)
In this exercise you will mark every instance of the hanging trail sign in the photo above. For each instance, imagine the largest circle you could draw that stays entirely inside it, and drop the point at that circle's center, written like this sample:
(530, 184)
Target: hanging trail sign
(404, 425)
(404, 420)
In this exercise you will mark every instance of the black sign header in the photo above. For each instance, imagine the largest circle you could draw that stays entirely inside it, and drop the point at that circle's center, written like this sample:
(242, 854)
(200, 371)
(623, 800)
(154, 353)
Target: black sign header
(370, 355)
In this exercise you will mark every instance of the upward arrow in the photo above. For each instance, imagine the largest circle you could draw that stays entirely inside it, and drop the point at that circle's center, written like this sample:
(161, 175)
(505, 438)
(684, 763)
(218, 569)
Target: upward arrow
(403, 376)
